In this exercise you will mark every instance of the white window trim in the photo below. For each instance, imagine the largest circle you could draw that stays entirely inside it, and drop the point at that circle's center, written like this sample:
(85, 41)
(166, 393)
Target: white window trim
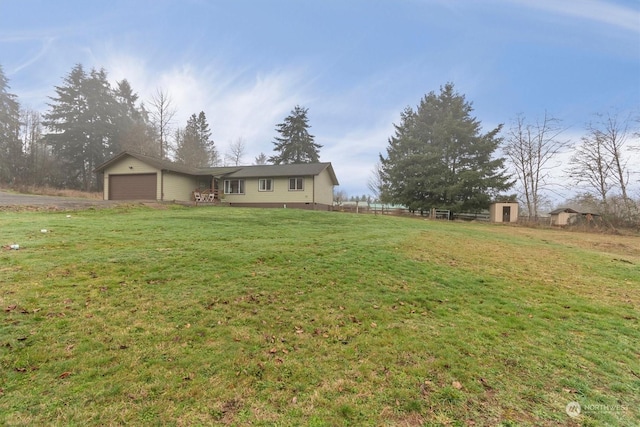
(240, 184)
(301, 181)
(265, 180)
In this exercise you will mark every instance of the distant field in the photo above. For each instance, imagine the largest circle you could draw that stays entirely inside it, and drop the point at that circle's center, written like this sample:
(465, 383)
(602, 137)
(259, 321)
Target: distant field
(220, 316)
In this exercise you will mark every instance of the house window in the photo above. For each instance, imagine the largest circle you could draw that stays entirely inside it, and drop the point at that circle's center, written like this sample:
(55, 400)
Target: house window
(265, 184)
(234, 186)
(296, 184)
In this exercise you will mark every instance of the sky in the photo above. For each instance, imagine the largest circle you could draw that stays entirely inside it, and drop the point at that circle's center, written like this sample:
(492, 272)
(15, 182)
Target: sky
(355, 64)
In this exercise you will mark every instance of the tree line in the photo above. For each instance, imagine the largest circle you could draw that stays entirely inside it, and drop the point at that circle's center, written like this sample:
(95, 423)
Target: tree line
(440, 158)
(88, 121)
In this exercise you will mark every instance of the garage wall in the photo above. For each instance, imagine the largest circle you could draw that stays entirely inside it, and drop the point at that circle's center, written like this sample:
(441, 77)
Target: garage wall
(178, 187)
(129, 166)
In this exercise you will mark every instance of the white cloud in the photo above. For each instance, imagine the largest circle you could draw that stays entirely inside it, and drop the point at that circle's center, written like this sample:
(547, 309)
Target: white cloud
(354, 154)
(605, 12)
(238, 103)
(46, 43)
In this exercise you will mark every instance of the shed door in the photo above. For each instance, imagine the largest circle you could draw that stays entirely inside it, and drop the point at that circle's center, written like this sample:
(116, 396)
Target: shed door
(133, 187)
(506, 214)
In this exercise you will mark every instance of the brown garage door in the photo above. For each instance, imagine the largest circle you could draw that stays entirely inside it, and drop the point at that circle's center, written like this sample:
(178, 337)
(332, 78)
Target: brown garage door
(132, 187)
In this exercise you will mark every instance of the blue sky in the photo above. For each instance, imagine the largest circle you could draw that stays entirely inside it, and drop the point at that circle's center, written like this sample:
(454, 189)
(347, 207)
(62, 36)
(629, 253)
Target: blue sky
(355, 64)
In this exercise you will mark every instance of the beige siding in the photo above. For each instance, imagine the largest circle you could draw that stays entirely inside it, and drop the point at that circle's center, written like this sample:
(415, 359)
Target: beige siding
(129, 165)
(178, 187)
(322, 193)
(324, 188)
(495, 212)
(280, 193)
(171, 186)
(562, 218)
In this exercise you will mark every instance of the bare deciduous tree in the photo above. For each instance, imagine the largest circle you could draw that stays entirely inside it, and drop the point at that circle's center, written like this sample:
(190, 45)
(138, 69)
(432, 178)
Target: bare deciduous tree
(162, 114)
(375, 182)
(614, 133)
(236, 151)
(602, 161)
(36, 150)
(340, 196)
(531, 149)
(590, 165)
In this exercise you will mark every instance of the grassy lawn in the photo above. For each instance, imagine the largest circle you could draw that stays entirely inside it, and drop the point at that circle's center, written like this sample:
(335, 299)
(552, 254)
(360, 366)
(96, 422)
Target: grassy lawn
(221, 316)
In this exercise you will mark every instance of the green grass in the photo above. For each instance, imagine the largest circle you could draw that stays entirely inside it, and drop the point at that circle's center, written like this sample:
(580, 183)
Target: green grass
(223, 316)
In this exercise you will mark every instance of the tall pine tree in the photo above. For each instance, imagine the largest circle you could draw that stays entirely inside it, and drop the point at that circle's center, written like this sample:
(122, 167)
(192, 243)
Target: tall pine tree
(194, 144)
(86, 123)
(295, 144)
(66, 123)
(11, 148)
(135, 131)
(438, 157)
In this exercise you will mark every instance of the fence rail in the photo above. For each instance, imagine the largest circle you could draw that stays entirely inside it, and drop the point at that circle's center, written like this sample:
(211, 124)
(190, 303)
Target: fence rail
(380, 209)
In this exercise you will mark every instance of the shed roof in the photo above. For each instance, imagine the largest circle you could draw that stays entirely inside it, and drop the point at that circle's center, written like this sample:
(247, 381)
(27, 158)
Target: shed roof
(563, 210)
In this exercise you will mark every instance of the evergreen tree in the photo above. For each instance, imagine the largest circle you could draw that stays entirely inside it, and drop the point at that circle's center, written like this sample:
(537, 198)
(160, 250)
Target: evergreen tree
(261, 159)
(295, 144)
(83, 124)
(135, 131)
(438, 157)
(128, 100)
(105, 113)
(11, 147)
(194, 146)
(204, 136)
(65, 121)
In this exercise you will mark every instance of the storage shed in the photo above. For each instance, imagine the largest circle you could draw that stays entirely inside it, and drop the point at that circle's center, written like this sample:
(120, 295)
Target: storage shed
(562, 216)
(503, 212)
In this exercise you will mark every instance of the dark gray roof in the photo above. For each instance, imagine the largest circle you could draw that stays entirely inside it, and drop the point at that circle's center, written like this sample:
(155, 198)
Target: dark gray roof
(151, 161)
(258, 171)
(218, 171)
(272, 171)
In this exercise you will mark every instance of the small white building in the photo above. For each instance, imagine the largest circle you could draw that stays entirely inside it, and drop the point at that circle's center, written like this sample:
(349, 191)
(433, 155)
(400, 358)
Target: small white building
(563, 216)
(503, 212)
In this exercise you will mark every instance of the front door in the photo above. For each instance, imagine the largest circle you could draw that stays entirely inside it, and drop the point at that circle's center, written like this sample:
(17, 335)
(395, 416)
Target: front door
(506, 214)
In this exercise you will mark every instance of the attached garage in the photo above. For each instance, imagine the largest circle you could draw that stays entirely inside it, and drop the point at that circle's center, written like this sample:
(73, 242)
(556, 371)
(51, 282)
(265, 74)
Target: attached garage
(133, 186)
(133, 176)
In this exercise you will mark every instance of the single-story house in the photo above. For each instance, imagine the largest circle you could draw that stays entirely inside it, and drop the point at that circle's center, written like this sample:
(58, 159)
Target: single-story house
(563, 216)
(132, 176)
